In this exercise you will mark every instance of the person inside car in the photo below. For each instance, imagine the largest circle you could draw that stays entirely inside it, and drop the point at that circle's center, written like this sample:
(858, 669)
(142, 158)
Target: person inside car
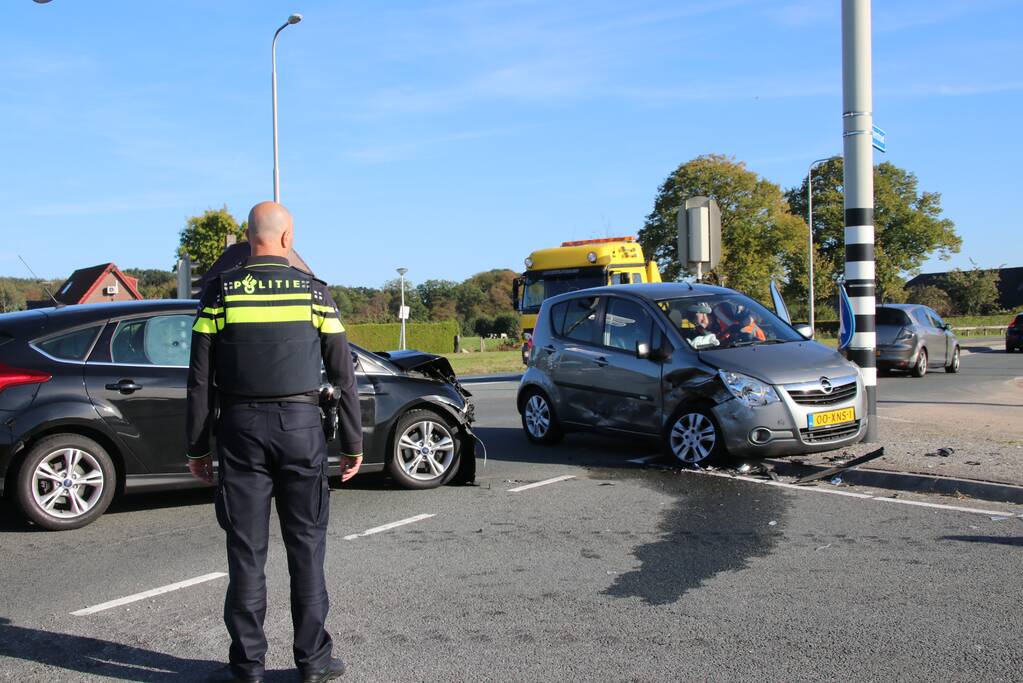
(701, 327)
(746, 328)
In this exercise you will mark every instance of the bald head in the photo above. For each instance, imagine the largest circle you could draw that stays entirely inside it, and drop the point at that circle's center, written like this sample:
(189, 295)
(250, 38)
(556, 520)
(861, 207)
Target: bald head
(270, 230)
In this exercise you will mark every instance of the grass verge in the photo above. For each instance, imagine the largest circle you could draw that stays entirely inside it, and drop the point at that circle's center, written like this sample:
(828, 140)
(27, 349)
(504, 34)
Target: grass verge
(489, 363)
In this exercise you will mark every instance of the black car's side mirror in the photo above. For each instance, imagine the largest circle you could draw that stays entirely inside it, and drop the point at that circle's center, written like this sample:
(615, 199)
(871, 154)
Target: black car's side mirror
(642, 350)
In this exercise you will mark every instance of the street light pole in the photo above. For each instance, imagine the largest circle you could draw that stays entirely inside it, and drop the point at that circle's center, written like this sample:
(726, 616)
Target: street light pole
(401, 311)
(809, 223)
(293, 19)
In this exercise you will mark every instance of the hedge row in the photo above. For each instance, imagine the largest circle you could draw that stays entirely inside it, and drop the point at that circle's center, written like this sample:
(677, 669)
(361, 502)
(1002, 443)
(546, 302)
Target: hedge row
(429, 337)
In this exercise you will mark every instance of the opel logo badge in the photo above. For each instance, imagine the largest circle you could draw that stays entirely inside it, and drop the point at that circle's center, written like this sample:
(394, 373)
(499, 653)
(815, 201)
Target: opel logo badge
(826, 385)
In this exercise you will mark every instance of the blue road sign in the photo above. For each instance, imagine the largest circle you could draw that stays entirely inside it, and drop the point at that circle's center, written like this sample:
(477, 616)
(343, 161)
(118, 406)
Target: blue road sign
(878, 140)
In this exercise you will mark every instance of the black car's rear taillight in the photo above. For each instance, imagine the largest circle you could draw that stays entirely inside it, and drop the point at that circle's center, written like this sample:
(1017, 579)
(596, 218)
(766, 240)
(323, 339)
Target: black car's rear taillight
(10, 377)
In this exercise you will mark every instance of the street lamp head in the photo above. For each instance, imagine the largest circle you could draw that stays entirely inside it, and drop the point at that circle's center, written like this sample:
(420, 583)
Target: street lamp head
(402, 271)
(295, 18)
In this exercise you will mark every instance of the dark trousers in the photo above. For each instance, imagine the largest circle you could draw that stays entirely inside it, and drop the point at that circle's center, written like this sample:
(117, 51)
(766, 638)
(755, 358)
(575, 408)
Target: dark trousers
(274, 450)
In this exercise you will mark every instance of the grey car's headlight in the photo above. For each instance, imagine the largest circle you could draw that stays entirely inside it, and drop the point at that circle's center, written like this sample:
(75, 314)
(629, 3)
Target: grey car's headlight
(750, 391)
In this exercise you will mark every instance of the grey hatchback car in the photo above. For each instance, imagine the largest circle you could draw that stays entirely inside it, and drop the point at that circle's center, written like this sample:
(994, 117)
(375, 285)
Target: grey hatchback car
(912, 337)
(706, 370)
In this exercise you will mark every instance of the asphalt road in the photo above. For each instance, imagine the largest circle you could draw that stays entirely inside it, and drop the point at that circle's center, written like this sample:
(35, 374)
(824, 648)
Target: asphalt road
(620, 573)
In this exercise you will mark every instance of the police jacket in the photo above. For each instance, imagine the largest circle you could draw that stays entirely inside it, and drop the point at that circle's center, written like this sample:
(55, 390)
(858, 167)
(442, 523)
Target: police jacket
(261, 333)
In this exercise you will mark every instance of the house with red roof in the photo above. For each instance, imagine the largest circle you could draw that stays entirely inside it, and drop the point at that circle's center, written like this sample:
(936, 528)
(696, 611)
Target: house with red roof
(104, 282)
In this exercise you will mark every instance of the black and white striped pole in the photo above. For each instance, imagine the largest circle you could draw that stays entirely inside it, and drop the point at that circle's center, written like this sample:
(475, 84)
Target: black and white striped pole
(858, 179)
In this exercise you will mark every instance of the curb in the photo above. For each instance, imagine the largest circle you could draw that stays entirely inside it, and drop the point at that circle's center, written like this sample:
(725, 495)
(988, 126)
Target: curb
(908, 481)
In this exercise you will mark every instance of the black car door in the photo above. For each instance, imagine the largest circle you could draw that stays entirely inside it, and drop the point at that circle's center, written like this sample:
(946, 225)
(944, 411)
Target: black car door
(136, 379)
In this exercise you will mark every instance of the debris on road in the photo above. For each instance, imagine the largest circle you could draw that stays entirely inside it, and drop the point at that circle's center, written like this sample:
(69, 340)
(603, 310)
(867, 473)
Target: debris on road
(830, 472)
(940, 453)
(836, 481)
(772, 523)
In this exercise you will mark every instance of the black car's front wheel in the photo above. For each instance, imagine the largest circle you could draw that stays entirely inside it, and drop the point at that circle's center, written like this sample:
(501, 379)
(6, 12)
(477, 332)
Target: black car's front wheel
(424, 452)
(65, 482)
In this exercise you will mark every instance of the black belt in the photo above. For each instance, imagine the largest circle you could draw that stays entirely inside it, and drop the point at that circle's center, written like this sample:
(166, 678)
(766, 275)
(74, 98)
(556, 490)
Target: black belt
(235, 399)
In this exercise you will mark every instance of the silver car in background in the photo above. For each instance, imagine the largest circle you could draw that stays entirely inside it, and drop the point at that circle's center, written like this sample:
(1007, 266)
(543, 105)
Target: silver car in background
(706, 370)
(913, 338)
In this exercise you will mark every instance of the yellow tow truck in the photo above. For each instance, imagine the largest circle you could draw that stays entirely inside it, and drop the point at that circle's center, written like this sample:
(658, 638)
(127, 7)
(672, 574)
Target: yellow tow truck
(574, 266)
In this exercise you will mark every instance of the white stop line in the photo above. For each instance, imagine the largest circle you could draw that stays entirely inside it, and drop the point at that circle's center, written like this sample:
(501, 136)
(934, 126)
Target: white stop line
(387, 527)
(147, 594)
(555, 480)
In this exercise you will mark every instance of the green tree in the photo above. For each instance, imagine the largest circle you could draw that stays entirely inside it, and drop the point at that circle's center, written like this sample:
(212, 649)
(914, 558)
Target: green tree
(155, 284)
(973, 291)
(908, 226)
(203, 237)
(933, 296)
(759, 235)
(12, 298)
(439, 297)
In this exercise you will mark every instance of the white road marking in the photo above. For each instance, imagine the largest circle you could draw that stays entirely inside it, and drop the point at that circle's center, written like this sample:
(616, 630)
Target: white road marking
(555, 480)
(147, 594)
(852, 494)
(387, 527)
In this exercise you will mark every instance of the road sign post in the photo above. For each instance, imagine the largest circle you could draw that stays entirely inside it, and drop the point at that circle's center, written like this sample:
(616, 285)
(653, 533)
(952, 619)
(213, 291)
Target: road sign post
(699, 235)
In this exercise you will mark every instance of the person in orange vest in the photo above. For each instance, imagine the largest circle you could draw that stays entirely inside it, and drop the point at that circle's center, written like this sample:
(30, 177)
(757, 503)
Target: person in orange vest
(749, 328)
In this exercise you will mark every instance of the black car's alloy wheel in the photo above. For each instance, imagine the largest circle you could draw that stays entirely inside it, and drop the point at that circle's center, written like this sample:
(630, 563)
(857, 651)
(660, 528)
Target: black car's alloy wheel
(425, 452)
(65, 482)
(538, 419)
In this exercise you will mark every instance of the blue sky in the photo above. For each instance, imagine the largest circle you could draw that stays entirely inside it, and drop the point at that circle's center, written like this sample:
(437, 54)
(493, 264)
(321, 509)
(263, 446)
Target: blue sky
(455, 137)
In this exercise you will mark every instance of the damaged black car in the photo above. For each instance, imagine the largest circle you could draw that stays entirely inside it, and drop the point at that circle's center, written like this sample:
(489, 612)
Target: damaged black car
(92, 404)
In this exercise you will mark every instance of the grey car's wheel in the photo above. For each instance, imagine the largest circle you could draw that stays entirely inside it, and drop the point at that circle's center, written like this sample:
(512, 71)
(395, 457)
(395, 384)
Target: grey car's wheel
(694, 438)
(953, 365)
(424, 452)
(539, 420)
(920, 369)
(65, 482)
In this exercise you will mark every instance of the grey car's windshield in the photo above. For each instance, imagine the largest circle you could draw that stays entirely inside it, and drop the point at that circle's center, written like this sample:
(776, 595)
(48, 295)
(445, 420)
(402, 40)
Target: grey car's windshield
(722, 321)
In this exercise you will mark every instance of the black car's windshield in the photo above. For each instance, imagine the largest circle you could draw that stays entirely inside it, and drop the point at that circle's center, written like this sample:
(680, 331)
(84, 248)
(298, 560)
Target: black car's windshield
(544, 284)
(722, 321)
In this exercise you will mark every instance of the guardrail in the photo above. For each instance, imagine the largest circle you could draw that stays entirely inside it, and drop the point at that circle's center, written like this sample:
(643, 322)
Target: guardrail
(980, 327)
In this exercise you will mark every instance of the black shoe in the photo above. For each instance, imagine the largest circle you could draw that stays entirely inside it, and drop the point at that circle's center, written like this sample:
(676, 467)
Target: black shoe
(334, 669)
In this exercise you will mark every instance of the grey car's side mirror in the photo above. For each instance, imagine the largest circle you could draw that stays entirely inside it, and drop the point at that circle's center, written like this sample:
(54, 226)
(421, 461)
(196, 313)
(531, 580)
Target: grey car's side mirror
(642, 350)
(805, 330)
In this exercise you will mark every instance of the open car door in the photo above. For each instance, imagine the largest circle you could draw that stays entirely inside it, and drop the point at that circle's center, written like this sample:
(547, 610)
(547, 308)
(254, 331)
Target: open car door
(780, 309)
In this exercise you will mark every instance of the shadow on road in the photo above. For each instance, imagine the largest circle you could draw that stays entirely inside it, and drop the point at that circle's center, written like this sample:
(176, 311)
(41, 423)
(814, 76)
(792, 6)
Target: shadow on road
(96, 657)
(710, 529)
(995, 540)
(509, 444)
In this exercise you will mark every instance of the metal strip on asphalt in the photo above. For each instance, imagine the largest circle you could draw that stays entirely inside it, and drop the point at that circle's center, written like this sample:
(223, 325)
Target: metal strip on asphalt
(147, 594)
(852, 494)
(555, 480)
(387, 527)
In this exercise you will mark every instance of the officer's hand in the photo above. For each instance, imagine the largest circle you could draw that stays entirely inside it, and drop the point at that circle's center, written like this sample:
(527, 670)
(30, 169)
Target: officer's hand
(202, 468)
(350, 466)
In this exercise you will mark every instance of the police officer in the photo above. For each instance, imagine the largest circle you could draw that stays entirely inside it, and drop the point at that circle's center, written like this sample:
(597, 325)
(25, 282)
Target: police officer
(257, 343)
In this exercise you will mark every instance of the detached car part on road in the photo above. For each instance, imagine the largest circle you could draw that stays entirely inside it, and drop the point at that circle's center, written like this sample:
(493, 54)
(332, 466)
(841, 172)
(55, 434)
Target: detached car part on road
(92, 404)
(913, 338)
(706, 370)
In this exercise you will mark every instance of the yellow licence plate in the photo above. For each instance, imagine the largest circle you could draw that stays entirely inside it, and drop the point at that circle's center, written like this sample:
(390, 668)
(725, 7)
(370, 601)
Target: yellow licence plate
(831, 418)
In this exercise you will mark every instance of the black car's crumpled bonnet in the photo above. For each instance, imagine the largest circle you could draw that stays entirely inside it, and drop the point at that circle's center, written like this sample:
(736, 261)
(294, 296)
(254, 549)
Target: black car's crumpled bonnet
(429, 364)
